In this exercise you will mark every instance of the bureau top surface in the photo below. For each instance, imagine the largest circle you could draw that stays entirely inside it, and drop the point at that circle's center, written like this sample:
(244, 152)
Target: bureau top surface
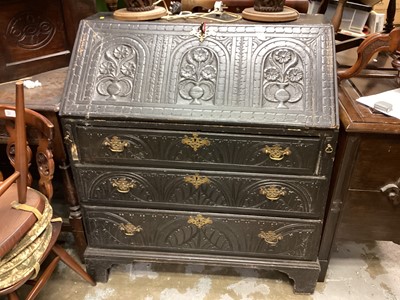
(236, 73)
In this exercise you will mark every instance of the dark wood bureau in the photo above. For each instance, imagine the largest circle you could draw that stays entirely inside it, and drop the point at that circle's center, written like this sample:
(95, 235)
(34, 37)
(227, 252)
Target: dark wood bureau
(215, 151)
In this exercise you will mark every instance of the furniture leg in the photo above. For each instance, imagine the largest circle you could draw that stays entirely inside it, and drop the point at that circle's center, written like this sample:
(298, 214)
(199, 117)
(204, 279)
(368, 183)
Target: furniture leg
(43, 279)
(70, 262)
(99, 270)
(390, 13)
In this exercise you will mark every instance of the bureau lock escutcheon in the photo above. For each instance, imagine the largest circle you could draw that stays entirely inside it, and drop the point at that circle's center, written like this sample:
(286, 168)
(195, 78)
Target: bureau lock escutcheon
(115, 144)
(276, 152)
(199, 221)
(130, 229)
(196, 180)
(195, 142)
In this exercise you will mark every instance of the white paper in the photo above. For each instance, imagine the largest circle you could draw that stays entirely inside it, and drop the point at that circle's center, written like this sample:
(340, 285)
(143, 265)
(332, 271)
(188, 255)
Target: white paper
(392, 97)
(29, 84)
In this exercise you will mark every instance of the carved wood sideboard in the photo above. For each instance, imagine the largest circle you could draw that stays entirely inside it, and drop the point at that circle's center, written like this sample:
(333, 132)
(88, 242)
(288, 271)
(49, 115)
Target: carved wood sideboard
(202, 146)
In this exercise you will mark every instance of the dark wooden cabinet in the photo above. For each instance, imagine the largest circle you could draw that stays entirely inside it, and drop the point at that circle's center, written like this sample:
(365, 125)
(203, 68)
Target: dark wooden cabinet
(38, 36)
(214, 152)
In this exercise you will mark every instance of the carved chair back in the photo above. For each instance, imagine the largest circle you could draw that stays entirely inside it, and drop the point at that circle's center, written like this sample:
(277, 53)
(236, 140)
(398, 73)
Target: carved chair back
(19, 151)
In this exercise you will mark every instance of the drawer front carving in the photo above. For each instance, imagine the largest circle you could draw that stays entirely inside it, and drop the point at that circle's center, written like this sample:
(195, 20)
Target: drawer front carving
(202, 233)
(140, 147)
(184, 189)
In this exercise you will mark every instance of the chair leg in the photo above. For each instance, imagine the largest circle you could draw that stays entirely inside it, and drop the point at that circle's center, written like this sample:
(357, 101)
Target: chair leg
(43, 279)
(12, 296)
(70, 262)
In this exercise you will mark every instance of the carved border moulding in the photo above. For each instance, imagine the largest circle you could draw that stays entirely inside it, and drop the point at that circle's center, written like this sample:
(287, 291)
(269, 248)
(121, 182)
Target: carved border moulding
(198, 76)
(30, 30)
(116, 72)
(283, 77)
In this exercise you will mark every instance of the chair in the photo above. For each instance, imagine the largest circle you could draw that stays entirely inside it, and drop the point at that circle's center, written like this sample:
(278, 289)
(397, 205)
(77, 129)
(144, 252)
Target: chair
(374, 43)
(27, 237)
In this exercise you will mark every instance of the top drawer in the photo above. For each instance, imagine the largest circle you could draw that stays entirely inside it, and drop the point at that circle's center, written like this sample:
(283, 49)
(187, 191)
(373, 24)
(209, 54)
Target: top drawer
(127, 146)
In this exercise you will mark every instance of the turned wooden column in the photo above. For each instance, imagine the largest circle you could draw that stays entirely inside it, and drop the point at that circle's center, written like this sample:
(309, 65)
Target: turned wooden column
(390, 13)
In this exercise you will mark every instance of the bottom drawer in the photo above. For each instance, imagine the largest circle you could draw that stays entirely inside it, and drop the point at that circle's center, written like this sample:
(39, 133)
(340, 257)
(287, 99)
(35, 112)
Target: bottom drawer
(205, 233)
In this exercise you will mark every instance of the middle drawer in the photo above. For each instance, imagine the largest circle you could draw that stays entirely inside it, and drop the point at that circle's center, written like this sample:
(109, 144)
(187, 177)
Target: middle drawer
(202, 190)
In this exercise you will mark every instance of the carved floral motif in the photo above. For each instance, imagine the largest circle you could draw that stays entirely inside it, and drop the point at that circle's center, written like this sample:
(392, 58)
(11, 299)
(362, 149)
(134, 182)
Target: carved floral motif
(117, 71)
(198, 76)
(283, 77)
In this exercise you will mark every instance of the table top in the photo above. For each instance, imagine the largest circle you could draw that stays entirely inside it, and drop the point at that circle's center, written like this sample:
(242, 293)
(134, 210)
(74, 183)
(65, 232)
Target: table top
(44, 98)
(356, 117)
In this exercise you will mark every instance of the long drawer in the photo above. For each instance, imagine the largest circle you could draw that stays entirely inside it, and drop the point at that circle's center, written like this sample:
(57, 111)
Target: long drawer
(201, 190)
(294, 155)
(223, 234)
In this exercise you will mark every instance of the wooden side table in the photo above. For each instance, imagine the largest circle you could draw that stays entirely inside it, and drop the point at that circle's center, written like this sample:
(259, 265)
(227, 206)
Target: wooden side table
(46, 100)
(367, 161)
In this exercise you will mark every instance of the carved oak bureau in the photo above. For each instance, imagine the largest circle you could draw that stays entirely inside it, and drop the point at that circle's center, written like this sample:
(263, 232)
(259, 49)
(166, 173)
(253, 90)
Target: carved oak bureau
(202, 146)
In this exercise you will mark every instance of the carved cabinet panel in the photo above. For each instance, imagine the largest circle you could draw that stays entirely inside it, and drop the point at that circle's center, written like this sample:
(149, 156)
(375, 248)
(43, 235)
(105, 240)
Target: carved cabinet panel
(189, 150)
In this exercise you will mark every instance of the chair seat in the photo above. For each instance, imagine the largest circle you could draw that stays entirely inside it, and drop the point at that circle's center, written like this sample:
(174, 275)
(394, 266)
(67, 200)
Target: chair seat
(15, 223)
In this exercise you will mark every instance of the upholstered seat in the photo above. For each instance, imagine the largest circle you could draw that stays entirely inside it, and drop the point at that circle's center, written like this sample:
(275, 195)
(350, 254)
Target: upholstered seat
(28, 231)
(15, 223)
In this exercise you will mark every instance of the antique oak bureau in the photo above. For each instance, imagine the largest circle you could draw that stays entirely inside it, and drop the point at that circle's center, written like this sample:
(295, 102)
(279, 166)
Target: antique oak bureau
(203, 144)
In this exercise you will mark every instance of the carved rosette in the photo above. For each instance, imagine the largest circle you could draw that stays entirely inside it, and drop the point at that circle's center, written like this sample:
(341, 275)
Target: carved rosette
(283, 77)
(30, 30)
(116, 72)
(198, 76)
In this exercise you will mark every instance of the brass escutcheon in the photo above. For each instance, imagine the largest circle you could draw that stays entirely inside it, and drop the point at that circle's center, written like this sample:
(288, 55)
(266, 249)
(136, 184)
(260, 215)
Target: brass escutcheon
(270, 237)
(272, 192)
(195, 142)
(329, 148)
(196, 180)
(115, 144)
(130, 229)
(276, 152)
(73, 148)
(199, 221)
(123, 184)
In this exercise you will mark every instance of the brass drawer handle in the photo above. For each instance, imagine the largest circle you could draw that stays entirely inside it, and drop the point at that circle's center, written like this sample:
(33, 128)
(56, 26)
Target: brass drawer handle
(123, 184)
(392, 192)
(130, 229)
(115, 144)
(199, 221)
(196, 180)
(270, 237)
(276, 152)
(195, 142)
(272, 192)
